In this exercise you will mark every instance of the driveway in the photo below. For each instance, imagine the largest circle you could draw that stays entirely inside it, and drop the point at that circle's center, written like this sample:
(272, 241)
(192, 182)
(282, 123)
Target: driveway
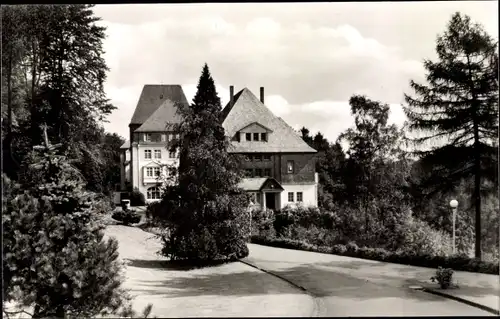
(230, 290)
(344, 286)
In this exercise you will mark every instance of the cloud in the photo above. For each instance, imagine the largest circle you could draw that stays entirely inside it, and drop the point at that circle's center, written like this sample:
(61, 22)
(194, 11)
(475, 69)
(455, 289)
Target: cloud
(309, 68)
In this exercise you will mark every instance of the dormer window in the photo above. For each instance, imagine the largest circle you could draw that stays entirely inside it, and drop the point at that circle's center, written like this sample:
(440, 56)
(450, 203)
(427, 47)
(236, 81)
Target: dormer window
(255, 136)
(263, 137)
(248, 136)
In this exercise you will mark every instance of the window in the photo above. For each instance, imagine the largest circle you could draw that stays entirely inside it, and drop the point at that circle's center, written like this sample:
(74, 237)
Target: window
(147, 137)
(267, 172)
(157, 171)
(249, 172)
(257, 158)
(259, 199)
(299, 197)
(290, 197)
(248, 136)
(263, 137)
(289, 167)
(171, 154)
(153, 171)
(258, 172)
(154, 193)
(164, 137)
(267, 157)
(255, 136)
(147, 154)
(157, 153)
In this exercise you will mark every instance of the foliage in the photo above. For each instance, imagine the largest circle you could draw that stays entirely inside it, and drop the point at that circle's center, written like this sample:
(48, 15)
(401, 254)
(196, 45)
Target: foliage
(127, 216)
(208, 211)
(262, 223)
(418, 237)
(55, 256)
(137, 198)
(456, 114)
(459, 263)
(54, 74)
(443, 277)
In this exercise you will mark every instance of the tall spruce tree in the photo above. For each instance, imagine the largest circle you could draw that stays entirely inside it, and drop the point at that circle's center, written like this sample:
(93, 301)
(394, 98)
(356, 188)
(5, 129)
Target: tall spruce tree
(206, 207)
(456, 113)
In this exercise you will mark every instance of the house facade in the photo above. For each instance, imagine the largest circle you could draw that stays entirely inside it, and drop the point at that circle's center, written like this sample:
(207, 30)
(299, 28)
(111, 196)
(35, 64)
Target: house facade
(279, 166)
(145, 156)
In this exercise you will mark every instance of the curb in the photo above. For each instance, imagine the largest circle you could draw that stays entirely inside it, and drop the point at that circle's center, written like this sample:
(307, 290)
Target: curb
(462, 300)
(316, 306)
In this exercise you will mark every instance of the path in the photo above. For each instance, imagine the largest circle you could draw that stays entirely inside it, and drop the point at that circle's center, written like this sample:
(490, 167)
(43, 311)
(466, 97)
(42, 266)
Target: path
(230, 290)
(346, 286)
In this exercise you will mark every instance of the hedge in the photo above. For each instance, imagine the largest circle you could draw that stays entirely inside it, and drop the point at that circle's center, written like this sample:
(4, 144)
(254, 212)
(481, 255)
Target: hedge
(458, 263)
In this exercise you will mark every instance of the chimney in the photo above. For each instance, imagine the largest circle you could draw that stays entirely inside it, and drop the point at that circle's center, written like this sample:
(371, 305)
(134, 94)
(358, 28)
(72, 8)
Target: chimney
(262, 94)
(231, 95)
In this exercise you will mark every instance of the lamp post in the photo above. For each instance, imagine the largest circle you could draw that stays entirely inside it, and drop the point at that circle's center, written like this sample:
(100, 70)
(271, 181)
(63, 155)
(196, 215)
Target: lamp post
(454, 205)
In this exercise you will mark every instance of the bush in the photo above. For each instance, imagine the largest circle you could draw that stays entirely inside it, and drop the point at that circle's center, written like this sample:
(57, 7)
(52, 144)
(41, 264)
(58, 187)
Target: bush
(314, 235)
(127, 217)
(56, 258)
(137, 198)
(262, 223)
(462, 263)
(443, 277)
(417, 237)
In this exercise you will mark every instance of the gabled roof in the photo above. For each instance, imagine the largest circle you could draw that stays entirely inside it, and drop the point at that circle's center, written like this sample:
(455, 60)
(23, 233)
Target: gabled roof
(247, 109)
(256, 184)
(152, 97)
(258, 124)
(157, 122)
(125, 145)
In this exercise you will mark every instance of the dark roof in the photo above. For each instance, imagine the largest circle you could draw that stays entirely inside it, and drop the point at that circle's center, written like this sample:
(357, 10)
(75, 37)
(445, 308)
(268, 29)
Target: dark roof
(256, 184)
(157, 122)
(154, 95)
(247, 109)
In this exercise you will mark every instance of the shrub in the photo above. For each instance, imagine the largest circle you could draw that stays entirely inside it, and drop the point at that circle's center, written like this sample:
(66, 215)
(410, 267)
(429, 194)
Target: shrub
(262, 223)
(55, 256)
(127, 217)
(417, 237)
(338, 249)
(283, 220)
(137, 198)
(313, 235)
(443, 277)
(352, 248)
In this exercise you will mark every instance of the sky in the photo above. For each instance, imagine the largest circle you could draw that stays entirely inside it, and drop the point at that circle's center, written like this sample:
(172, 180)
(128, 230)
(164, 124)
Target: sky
(310, 57)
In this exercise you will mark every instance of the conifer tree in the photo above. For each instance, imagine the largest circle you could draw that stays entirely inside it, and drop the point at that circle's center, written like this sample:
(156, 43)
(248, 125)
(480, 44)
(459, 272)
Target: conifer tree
(205, 205)
(55, 258)
(456, 113)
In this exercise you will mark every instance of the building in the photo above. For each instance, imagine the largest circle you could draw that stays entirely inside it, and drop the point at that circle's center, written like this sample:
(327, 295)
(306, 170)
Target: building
(145, 156)
(279, 166)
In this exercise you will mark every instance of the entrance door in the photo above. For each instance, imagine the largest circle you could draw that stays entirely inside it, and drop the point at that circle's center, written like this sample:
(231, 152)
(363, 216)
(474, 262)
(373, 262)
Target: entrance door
(270, 201)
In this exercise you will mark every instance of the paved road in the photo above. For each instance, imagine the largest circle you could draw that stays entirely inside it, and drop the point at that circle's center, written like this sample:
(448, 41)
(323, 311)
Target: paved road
(230, 290)
(345, 286)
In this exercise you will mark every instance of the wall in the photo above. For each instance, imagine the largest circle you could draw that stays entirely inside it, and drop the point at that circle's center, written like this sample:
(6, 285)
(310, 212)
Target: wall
(139, 161)
(304, 168)
(309, 194)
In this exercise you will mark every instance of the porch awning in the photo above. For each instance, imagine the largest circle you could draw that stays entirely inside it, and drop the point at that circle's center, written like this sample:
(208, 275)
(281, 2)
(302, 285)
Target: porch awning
(259, 184)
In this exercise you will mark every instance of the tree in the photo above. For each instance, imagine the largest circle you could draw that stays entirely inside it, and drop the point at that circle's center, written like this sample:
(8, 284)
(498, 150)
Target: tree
(206, 206)
(55, 255)
(56, 77)
(456, 113)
